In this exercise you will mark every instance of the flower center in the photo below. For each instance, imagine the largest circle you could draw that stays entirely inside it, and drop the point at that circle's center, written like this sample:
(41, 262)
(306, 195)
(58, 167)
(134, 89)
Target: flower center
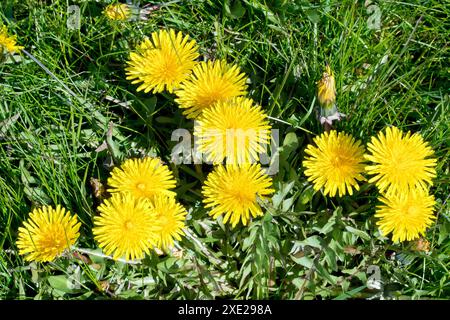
(128, 225)
(168, 69)
(141, 186)
(400, 161)
(54, 240)
(336, 161)
(243, 196)
(163, 220)
(411, 210)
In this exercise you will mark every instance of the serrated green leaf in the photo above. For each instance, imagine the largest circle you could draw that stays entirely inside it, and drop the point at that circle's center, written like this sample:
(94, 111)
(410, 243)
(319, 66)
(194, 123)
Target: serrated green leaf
(330, 258)
(324, 273)
(350, 294)
(303, 261)
(167, 264)
(313, 241)
(283, 191)
(307, 195)
(361, 234)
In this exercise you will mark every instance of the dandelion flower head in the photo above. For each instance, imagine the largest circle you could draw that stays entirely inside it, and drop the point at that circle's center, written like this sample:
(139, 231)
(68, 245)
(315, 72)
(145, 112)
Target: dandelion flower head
(400, 161)
(234, 129)
(143, 178)
(232, 191)
(163, 61)
(407, 214)
(209, 83)
(127, 227)
(47, 233)
(335, 163)
(8, 43)
(171, 217)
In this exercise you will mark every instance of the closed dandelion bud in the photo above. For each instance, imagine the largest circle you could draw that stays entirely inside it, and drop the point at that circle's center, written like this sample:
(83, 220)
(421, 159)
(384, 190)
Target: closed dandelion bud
(126, 12)
(327, 89)
(326, 94)
(117, 11)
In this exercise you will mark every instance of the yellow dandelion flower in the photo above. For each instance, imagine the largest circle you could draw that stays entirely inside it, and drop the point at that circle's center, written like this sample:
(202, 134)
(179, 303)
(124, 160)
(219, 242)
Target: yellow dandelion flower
(171, 217)
(117, 11)
(335, 163)
(126, 227)
(143, 178)
(163, 62)
(8, 43)
(406, 214)
(47, 233)
(209, 83)
(400, 162)
(232, 191)
(235, 129)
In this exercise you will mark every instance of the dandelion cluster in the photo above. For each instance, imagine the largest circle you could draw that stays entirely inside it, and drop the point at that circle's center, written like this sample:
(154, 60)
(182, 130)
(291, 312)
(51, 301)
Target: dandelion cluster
(229, 128)
(142, 213)
(403, 168)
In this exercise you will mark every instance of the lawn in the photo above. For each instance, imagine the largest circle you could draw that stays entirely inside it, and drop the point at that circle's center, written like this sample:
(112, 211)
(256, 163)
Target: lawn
(69, 117)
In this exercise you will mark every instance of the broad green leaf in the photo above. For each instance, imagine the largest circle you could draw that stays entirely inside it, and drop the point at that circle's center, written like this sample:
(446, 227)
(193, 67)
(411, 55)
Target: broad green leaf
(62, 283)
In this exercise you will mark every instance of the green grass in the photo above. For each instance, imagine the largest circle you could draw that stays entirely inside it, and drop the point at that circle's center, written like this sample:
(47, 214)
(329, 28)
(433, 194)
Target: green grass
(307, 246)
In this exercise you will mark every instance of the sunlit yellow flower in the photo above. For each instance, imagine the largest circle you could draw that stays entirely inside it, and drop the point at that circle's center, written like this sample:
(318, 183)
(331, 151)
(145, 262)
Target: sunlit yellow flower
(235, 129)
(126, 227)
(335, 162)
(7, 43)
(162, 62)
(406, 214)
(232, 191)
(143, 178)
(171, 217)
(400, 162)
(47, 233)
(210, 82)
(117, 11)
